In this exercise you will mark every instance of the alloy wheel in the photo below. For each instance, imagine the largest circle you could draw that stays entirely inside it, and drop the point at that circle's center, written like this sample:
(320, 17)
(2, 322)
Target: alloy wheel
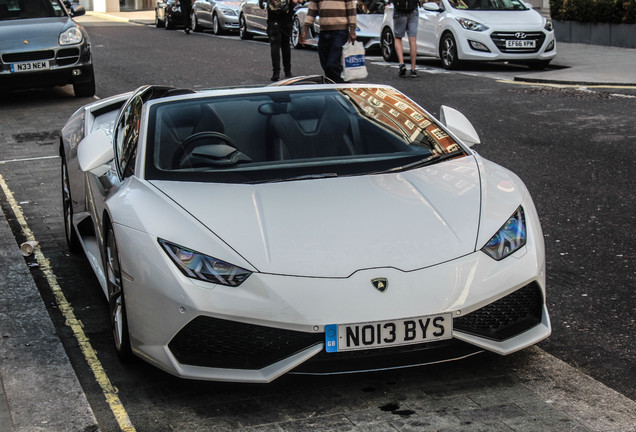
(116, 300)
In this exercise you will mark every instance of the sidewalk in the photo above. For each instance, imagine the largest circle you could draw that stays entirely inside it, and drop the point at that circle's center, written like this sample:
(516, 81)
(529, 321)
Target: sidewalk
(575, 64)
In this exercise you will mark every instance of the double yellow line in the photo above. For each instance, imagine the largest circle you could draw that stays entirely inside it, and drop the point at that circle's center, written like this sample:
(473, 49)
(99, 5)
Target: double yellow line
(110, 392)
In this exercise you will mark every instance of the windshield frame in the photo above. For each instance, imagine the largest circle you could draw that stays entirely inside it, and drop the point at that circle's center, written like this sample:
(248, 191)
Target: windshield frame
(299, 168)
(52, 8)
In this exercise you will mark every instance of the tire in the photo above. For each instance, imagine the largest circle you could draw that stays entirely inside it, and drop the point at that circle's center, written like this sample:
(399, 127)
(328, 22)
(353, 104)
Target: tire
(387, 44)
(167, 24)
(216, 25)
(294, 39)
(85, 89)
(195, 23)
(72, 241)
(158, 22)
(448, 52)
(116, 298)
(243, 33)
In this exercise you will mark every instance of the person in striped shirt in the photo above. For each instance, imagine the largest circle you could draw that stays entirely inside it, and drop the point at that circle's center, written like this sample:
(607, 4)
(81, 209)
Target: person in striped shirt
(337, 26)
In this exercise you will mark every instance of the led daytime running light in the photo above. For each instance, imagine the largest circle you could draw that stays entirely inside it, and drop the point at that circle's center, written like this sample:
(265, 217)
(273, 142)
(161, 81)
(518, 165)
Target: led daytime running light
(202, 267)
(510, 237)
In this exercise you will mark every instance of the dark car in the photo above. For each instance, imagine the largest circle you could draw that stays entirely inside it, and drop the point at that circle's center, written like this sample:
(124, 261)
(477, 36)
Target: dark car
(168, 16)
(41, 46)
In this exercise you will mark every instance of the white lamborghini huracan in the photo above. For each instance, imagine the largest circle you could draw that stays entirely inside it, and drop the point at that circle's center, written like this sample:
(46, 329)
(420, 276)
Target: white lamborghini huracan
(241, 234)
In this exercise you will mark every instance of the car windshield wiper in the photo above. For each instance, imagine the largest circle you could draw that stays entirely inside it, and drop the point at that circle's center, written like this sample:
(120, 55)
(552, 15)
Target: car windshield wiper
(300, 177)
(423, 162)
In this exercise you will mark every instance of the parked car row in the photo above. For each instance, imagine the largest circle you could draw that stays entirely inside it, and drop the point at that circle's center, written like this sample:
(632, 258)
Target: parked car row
(455, 31)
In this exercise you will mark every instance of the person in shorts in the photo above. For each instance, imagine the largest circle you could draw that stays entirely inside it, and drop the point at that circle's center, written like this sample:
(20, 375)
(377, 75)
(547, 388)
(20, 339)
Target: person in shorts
(405, 19)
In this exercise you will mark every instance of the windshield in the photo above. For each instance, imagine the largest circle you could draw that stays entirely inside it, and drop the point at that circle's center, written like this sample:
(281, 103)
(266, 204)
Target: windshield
(488, 4)
(365, 7)
(280, 136)
(27, 9)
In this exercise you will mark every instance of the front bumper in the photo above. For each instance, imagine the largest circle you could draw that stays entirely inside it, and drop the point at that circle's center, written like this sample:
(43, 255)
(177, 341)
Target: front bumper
(273, 324)
(491, 45)
(67, 65)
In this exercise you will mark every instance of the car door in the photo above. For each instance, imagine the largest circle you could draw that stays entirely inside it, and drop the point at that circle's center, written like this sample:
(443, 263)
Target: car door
(427, 31)
(255, 17)
(204, 11)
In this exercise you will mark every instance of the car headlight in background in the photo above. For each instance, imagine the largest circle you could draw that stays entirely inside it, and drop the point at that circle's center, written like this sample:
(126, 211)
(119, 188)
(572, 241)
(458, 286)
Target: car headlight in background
(548, 25)
(198, 266)
(71, 36)
(471, 25)
(228, 12)
(510, 237)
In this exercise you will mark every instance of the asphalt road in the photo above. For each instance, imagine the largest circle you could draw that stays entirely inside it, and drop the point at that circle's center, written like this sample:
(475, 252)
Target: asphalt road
(574, 149)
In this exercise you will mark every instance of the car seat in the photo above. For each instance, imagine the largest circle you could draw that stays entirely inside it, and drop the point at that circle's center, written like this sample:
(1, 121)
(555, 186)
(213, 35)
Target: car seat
(178, 122)
(311, 127)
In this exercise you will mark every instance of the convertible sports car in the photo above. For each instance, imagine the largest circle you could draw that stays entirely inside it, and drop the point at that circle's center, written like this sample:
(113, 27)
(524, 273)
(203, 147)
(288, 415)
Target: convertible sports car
(243, 233)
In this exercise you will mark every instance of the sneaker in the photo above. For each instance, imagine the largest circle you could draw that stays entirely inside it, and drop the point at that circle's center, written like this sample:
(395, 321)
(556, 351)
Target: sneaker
(275, 76)
(402, 71)
(186, 30)
(413, 73)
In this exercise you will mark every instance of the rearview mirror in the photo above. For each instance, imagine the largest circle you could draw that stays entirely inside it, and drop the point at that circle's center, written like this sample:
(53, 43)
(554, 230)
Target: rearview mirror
(432, 7)
(459, 125)
(95, 152)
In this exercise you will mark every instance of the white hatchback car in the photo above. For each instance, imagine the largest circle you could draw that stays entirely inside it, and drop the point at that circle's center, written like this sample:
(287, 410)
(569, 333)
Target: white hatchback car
(483, 30)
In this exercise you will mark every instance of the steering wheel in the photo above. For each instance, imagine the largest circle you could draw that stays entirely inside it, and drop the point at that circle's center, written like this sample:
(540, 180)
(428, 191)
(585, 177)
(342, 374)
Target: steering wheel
(199, 139)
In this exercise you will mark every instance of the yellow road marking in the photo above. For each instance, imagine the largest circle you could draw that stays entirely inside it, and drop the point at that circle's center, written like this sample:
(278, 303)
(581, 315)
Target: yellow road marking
(110, 392)
(567, 85)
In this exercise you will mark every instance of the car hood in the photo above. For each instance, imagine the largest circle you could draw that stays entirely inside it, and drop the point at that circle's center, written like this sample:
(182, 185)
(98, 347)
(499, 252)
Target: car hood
(39, 32)
(334, 227)
(504, 18)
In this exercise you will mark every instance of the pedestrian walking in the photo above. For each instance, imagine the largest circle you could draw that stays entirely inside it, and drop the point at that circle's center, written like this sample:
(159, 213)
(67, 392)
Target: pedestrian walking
(186, 12)
(405, 19)
(337, 26)
(280, 14)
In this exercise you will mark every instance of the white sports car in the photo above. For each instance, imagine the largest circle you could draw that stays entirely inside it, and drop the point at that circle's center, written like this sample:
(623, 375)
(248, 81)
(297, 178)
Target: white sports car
(477, 30)
(241, 234)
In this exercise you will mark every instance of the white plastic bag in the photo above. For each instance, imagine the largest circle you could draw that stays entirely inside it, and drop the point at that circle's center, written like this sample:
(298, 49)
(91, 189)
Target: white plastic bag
(353, 65)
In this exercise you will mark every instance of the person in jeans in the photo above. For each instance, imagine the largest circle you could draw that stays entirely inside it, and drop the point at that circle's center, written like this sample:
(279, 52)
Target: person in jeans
(405, 19)
(337, 26)
(280, 14)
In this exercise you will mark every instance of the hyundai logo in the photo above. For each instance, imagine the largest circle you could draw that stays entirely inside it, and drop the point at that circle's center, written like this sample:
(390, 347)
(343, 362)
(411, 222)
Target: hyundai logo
(381, 284)
(520, 35)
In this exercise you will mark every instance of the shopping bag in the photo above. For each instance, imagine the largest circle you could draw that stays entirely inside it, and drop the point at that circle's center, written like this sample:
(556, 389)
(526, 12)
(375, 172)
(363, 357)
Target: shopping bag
(353, 65)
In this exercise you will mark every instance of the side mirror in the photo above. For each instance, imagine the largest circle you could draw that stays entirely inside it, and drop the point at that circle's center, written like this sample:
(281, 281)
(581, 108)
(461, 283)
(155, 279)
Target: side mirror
(78, 11)
(95, 152)
(459, 125)
(432, 7)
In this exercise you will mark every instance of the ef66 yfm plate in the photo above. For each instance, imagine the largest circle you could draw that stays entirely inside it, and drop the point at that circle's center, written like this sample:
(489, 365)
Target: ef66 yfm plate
(371, 335)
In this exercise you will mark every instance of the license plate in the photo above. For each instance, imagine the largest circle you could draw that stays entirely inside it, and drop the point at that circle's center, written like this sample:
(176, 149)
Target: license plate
(382, 334)
(30, 66)
(521, 43)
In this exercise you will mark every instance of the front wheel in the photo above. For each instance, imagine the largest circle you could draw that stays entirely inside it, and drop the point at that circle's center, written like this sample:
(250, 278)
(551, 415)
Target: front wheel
(216, 25)
(67, 207)
(243, 33)
(195, 23)
(85, 89)
(116, 298)
(158, 22)
(448, 52)
(387, 42)
(295, 35)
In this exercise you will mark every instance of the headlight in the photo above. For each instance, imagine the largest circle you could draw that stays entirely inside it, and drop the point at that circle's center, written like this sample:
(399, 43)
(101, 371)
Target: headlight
(548, 25)
(510, 237)
(471, 25)
(198, 266)
(228, 12)
(71, 36)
